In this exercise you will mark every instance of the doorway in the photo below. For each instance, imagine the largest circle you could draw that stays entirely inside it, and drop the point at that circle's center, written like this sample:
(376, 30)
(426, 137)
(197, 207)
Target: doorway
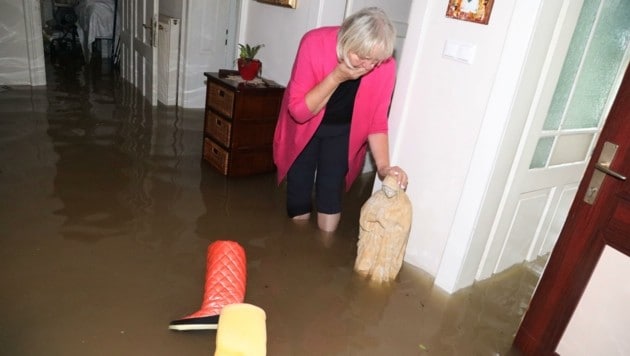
(62, 44)
(207, 43)
(587, 58)
(598, 225)
(77, 33)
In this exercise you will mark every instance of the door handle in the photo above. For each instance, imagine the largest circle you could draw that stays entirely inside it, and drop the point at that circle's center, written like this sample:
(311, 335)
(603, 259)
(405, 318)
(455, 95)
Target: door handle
(606, 169)
(602, 169)
(152, 32)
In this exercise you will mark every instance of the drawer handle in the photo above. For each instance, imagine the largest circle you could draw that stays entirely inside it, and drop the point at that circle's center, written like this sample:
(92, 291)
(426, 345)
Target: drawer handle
(221, 93)
(215, 151)
(218, 122)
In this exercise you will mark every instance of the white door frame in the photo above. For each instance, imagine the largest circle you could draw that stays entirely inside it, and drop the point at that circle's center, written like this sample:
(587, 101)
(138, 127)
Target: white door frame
(125, 41)
(553, 187)
(144, 49)
(527, 44)
(34, 42)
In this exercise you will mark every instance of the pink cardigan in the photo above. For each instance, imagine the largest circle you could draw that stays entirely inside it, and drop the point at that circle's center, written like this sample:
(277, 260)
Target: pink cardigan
(316, 58)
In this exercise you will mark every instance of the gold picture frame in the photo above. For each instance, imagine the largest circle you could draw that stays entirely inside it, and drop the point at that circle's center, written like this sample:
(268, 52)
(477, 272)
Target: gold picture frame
(285, 3)
(470, 10)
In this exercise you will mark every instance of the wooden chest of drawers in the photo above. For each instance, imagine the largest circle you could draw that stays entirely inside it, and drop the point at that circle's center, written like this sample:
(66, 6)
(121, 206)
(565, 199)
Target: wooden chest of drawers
(240, 119)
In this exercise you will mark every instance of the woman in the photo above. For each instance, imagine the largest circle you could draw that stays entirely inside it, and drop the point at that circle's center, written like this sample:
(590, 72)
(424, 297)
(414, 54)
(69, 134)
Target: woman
(335, 105)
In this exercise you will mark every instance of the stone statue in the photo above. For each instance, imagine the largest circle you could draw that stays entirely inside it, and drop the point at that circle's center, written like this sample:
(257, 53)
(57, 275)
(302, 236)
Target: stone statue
(384, 230)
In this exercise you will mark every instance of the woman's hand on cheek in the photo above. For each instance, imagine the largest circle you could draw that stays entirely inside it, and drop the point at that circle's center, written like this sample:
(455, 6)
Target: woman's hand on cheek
(342, 72)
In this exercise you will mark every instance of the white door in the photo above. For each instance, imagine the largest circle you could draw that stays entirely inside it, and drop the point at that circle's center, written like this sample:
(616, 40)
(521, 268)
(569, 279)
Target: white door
(34, 44)
(398, 13)
(575, 94)
(144, 48)
(125, 41)
(208, 44)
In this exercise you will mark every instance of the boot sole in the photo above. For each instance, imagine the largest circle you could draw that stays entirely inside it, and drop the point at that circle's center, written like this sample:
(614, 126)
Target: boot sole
(201, 323)
(192, 327)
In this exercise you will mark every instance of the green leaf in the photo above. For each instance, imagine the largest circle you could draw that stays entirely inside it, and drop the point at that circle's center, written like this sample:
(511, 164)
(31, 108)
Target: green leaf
(248, 52)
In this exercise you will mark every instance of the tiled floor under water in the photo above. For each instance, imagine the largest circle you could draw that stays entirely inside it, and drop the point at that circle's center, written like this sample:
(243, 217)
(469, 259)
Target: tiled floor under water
(106, 214)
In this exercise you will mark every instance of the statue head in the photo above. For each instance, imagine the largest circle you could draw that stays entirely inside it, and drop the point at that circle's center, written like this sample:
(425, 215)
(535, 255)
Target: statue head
(390, 186)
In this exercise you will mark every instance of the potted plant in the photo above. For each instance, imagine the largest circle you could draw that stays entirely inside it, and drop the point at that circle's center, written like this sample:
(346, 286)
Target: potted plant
(248, 65)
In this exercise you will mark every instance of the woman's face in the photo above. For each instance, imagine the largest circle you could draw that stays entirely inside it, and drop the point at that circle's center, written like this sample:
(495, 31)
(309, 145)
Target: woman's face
(367, 63)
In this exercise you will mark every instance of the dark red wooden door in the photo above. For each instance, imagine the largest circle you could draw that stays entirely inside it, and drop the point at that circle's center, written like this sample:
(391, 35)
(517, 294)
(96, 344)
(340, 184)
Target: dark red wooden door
(588, 229)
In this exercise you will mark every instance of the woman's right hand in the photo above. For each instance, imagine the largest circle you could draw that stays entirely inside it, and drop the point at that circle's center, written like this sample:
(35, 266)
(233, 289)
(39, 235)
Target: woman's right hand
(342, 72)
(317, 98)
(401, 176)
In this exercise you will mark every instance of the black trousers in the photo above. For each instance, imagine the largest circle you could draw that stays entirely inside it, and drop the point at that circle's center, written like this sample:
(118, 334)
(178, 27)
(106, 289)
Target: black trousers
(323, 163)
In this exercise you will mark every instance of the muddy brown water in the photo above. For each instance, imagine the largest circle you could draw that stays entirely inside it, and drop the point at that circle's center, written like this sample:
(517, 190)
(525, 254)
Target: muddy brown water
(106, 211)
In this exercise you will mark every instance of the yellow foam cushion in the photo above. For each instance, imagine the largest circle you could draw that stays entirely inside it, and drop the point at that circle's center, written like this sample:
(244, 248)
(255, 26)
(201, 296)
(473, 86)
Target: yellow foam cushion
(241, 331)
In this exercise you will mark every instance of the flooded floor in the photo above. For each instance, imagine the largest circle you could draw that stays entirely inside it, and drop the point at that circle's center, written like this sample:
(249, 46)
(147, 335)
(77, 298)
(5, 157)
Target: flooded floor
(106, 214)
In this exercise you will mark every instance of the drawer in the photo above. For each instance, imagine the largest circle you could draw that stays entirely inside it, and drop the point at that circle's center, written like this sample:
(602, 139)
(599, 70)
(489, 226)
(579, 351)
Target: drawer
(247, 161)
(252, 134)
(215, 155)
(218, 128)
(220, 98)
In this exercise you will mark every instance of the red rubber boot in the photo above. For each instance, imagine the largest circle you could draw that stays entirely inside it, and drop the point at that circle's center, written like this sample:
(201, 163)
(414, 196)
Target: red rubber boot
(226, 277)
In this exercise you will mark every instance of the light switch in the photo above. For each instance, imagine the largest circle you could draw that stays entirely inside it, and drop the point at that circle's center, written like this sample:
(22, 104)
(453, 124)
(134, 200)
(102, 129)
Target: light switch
(462, 52)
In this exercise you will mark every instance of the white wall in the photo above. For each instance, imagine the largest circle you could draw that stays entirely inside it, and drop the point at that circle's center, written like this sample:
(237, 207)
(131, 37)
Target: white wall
(442, 107)
(14, 60)
(172, 8)
(280, 30)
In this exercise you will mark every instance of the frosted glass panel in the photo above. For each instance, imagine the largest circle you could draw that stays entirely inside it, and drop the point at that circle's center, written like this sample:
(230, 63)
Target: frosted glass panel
(543, 149)
(571, 148)
(601, 66)
(571, 64)
(597, 57)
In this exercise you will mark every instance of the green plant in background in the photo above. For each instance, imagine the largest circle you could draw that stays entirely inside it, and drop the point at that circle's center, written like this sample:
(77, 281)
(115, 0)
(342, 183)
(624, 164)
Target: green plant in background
(248, 52)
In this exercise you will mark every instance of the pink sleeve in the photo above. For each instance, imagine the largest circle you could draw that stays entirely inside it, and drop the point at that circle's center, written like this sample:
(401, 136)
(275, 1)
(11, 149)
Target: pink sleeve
(304, 77)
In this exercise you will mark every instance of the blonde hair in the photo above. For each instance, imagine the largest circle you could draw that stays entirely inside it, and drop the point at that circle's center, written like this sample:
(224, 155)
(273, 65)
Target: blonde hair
(368, 32)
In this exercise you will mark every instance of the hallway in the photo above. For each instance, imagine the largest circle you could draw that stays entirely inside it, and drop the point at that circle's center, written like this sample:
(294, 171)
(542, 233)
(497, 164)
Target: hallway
(106, 214)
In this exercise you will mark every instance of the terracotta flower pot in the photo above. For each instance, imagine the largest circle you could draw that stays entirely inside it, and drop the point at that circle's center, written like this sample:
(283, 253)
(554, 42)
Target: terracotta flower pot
(248, 69)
